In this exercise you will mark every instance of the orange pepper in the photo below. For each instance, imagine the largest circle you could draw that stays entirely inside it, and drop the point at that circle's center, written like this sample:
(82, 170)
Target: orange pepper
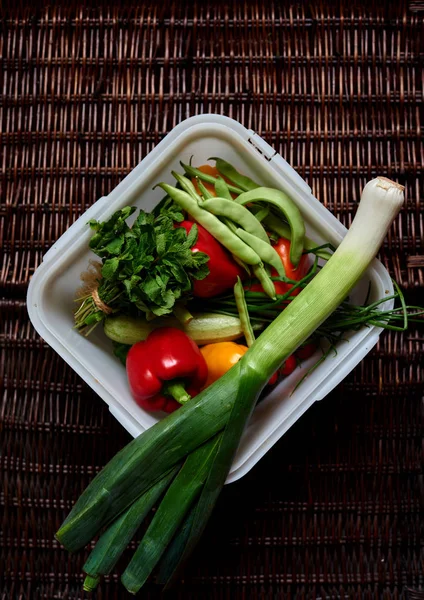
(209, 170)
(220, 357)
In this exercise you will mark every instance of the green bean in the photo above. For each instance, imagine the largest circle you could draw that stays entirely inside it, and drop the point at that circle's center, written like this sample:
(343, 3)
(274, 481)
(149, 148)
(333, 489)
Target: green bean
(289, 210)
(246, 326)
(193, 172)
(212, 224)
(205, 192)
(187, 186)
(237, 213)
(221, 189)
(243, 182)
(283, 230)
(266, 252)
(260, 212)
(265, 280)
(242, 264)
(230, 224)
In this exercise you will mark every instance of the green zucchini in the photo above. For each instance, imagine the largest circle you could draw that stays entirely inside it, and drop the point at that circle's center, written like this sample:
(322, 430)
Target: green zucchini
(204, 328)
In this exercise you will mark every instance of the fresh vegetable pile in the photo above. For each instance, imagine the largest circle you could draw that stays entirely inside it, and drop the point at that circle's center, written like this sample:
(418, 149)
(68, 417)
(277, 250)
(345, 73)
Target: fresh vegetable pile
(211, 297)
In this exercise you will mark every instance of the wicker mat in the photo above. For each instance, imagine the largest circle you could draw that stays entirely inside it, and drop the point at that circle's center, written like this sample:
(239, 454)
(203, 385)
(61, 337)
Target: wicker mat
(334, 509)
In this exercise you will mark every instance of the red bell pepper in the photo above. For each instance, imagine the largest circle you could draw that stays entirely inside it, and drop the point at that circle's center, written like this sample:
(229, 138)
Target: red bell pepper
(296, 273)
(159, 368)
(223, 269)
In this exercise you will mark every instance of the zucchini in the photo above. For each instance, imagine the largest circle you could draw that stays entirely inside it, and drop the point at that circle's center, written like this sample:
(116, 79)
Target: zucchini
(204, 328)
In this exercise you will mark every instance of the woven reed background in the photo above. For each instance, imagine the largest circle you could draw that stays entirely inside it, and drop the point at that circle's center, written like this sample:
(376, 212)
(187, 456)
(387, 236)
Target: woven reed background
(336, 88)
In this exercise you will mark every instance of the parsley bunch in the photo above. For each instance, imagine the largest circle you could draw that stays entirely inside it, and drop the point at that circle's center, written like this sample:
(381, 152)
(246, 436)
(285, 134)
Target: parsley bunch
(147, 267)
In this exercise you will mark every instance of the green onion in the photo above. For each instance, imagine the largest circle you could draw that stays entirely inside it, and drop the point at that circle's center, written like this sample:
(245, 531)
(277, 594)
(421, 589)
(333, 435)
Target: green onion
(267, 342)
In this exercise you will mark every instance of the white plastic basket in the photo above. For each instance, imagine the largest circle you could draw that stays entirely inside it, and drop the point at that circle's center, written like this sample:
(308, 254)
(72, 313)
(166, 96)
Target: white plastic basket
(52, 288)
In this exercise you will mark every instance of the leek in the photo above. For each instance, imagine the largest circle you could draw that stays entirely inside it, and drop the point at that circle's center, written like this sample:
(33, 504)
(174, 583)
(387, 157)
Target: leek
(145, 460)
(115, 539)
(177, 502)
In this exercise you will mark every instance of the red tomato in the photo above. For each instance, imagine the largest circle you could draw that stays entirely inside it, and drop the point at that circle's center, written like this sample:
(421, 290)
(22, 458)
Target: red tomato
(273, 379)
(296, 273)
(305, 351)
(289, 366)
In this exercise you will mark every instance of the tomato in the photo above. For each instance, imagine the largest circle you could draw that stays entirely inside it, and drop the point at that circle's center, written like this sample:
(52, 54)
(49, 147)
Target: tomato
(306, 351)
(289, 366)
(296, 273)
(273, 379)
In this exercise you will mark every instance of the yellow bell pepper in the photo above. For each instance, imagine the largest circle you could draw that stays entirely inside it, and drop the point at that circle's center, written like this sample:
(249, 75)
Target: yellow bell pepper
(220, 357)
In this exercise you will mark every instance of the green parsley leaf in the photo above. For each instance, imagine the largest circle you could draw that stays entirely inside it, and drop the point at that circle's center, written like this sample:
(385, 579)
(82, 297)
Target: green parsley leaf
(151, 263)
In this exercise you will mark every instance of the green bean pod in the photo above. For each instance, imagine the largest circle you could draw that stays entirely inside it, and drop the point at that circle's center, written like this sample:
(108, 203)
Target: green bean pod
(222, 190)
(290, 211)
(193, 172)
(187, 185)
(242, 264)
(205, 192)
(261, 212)
(266, 252)
(243, 313)
(237, 213)
(265, 280)
(212, 224)
(241, 181)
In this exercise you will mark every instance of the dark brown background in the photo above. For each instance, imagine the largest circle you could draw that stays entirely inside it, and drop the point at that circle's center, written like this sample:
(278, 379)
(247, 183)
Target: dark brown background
(336, 88)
